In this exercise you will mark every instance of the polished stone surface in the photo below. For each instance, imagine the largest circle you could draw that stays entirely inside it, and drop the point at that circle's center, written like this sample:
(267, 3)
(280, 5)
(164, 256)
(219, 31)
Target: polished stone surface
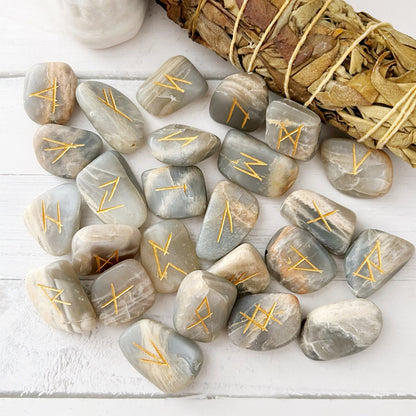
(54, 217)
(181, 145)
(298, 261)
(341, 329)
(330, 223)
(107, 189)
(169, 360)
(175, 84)
(95, 248)
(175, 191)
(123, 293)
(292, 129)
(264, 321)
(231, 214)
(49, 92)
(203, 305)
(114, 116)
(168, 254)
(373, 259)
(58, 297)
(65, 151)
(251, 164)
(356, 170)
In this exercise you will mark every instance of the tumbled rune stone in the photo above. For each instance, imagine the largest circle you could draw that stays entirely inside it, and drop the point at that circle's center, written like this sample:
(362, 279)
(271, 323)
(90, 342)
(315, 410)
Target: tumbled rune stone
(175, 84)
(113, 115)
(330, 223)
(49, 92)
(123, 293)
(169, 360)
(240, 101)
(251, 164)
(292, 129)
(298, 261)
(181, 145)
(54, 217)
(107, 189)
(264, 321)
(245, 268)
(373, 259)
(356, 170)
(203, 305)
(231, 214)
(341, 329)
(65, 151)
(175, 191)
(57, 295)
(168, 254)
(95, 248)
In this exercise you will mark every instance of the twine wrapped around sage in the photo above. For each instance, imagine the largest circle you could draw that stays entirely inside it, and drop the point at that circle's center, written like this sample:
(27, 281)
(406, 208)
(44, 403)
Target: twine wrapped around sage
(357, 73)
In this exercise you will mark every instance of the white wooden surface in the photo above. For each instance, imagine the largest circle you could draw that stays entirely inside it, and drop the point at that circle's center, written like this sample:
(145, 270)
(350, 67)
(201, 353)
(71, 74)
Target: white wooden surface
(38, 361)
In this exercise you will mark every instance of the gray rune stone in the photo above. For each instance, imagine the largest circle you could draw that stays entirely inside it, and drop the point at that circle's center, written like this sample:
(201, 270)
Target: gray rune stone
(65, 151)
(298, 261)
(54, 217)
(49, 92)
(244, 267)
(169, 360)
(175, 191)
(356, 170)
(240, 101)
(57, 295)
(203, 305)
(107, 189)
(113, 115)
(123, 293)
(95, 248)
(231, 214)
(180, 145)
(168, 254)
(373, 259)
(264, 321)
(250, 163)
(332, 224)
(175, 84)
(292, 129)
(341, 329)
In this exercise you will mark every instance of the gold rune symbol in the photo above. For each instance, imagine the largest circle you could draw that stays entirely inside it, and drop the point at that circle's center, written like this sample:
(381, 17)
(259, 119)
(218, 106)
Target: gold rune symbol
(174, 85)
(313, 268)
(367, 262)
(157, 359)
(61, 146)
(163, 274)
(355, 165)
(110, 102)
(115, 297)
(268, 316)
(40, 94)
(171, 138)
(56, 221)
(239, 278)
(108, 261)
(226, 214)
(237, 104)
(54, 300)
(250, 171)
(287, 135)
(169, 188)
(104, 198)
(322, 216)
(203, 304)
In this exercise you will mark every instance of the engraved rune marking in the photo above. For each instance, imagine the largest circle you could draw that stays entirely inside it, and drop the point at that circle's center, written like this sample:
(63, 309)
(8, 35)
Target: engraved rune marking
(370, 264)
(287, 135)
(108, 261)
(313, 268)
(41, 94)
(54, 300)
(239, 278)
(163, 274)
(171, 138)
(62, 146)
(157, 359)
(322, 216)
(110, 102)
(237, 104)
(174, 85)
(115, 297)
(226, 214)
(169, 188)
(249, 165)
(56, 221)
(268, 315)
(203, 304)
(355, 165)
(104, 198)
